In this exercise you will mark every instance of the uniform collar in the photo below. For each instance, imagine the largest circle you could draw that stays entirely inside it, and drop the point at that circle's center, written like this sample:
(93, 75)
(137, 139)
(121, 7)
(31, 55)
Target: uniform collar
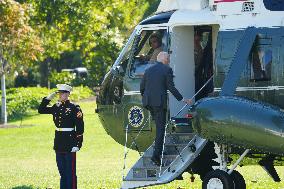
(65, 102)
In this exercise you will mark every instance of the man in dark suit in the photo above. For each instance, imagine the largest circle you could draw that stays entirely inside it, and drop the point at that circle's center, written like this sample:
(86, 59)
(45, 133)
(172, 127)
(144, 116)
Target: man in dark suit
(157, 79)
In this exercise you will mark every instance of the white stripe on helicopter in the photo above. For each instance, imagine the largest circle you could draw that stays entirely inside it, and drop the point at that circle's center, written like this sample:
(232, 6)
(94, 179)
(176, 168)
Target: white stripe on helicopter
(268, 88)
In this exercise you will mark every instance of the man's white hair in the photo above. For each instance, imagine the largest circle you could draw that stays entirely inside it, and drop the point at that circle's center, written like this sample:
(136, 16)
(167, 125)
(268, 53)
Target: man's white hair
(162, 56)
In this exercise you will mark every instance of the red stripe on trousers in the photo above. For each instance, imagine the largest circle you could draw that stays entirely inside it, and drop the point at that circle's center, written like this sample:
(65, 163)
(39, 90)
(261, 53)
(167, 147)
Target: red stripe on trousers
(73, 171)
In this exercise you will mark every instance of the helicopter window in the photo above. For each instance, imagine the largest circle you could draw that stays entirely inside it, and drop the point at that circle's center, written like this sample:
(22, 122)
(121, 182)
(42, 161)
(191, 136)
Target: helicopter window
(150, 43)
(125, 57)
(122, 63)
(274, 5)
(261, 60)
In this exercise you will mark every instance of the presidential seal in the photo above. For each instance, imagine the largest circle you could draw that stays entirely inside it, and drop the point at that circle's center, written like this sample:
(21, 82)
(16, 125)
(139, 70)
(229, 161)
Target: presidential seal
(135, 116)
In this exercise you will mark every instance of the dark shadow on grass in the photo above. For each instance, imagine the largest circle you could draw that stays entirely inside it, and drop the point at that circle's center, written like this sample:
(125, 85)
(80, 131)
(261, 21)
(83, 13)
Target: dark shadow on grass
(20, 117)
(23, 187)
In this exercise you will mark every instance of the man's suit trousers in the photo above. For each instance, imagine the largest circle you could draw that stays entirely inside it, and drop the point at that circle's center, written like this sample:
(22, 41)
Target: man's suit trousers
(159, 114)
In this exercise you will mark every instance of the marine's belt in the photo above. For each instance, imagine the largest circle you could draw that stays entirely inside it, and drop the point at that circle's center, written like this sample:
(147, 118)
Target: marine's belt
(64, 129)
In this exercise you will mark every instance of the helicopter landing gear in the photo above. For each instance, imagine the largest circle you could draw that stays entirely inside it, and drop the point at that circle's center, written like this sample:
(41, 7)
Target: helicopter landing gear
(238, 179)
(217, 179)
(222, 177)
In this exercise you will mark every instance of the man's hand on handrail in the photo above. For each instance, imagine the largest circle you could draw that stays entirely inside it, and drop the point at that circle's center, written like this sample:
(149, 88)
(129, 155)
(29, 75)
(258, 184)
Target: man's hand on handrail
(187, 101)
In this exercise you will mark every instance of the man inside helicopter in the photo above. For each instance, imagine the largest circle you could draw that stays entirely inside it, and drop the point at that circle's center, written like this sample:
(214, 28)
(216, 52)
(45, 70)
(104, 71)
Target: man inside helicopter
(155, 42)
(147, 52)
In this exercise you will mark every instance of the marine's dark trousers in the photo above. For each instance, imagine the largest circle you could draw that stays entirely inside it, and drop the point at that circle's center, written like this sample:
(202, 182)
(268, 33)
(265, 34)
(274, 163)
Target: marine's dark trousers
(159, 115)
(66, 163)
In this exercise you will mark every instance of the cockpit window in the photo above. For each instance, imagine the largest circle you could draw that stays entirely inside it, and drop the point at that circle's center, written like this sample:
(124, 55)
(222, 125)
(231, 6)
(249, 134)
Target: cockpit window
(145, 49)
(274, 5)
(123, 59)
(261, 59)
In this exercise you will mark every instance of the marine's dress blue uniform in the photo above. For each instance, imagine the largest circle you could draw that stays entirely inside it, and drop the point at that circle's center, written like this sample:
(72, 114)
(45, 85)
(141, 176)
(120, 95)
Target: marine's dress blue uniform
(66, 116)
(157, 79)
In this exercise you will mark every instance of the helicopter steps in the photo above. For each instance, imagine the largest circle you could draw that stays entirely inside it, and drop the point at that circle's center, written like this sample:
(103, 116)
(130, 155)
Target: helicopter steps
(181, 149)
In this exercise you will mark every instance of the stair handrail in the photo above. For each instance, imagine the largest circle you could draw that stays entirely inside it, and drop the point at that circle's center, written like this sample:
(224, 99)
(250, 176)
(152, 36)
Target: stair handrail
(126, 151)
(164, 140)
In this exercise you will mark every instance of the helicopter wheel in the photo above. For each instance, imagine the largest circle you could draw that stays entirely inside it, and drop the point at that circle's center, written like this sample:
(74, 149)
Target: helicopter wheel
(238, 180)
(217, 179)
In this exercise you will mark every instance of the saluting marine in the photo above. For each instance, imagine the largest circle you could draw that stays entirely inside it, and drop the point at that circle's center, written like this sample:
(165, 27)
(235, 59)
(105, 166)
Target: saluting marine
(68, 120)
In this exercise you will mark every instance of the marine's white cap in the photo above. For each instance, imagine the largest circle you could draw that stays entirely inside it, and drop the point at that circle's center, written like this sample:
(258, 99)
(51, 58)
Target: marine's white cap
(64, 87)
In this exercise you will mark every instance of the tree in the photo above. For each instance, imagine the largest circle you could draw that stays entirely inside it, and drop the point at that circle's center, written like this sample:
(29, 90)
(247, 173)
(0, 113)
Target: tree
(120, 17)
(152, 8)
(19, 43)
(94, 29)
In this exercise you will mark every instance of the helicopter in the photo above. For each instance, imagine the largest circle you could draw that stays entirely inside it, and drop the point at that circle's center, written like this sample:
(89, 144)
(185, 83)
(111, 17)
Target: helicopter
(228, 57)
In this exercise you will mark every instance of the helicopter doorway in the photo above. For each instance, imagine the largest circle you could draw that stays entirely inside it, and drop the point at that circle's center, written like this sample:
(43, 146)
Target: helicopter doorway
(192, 55)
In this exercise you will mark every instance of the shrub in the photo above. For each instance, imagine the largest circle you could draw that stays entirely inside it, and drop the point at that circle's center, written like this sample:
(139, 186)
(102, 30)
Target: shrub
(22, 100)
(63, 77)
(68, 78)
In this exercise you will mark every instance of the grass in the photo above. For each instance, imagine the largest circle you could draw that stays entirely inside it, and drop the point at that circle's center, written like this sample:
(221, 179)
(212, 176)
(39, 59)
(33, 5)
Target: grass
(27, 160)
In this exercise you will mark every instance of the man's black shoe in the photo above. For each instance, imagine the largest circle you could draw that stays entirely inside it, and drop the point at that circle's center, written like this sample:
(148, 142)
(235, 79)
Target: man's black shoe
(156, 161)
(179, 177)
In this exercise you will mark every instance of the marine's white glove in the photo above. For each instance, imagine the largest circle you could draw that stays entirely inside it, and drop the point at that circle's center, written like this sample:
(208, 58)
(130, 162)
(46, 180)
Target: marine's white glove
(75, 149)
(51, 96)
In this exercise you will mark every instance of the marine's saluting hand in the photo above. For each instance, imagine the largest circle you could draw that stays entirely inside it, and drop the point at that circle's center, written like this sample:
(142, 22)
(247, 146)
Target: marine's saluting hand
(51, 96)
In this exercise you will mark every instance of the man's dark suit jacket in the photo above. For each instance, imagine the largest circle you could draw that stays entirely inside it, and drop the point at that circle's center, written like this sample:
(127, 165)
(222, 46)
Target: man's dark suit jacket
(157, 79)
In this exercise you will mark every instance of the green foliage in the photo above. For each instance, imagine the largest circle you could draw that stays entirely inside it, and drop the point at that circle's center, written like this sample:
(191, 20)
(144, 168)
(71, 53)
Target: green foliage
(21, 100)
(152, 8)
(18, 41)
(66, 77)
(62, 77)
(120, 17)
(81, 93)
(71, 33)
(96, 30)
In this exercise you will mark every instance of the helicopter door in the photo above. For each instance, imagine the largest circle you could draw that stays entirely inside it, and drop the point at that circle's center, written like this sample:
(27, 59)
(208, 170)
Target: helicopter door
(182, 63)
(147, 45)
(192, 63)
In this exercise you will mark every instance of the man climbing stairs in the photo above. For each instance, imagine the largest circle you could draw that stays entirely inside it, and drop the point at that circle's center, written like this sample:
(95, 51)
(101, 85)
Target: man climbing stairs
(180, 150)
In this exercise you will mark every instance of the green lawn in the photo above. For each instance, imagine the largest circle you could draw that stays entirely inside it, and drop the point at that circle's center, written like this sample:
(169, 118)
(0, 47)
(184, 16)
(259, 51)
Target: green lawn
(27, 160)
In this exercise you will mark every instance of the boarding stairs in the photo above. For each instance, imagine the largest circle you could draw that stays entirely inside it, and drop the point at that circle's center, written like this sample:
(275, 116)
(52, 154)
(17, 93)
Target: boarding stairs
(180, 150)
